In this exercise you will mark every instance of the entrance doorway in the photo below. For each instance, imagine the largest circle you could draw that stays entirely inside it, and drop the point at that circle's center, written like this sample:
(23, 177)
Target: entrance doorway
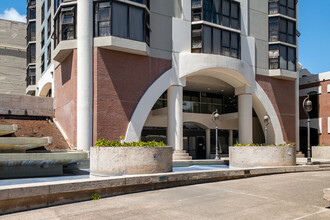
(194, 140)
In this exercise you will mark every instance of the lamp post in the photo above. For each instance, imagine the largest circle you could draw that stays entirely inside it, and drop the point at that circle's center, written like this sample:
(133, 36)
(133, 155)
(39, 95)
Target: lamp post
(266, 121)
(215, 115)
(307, 106)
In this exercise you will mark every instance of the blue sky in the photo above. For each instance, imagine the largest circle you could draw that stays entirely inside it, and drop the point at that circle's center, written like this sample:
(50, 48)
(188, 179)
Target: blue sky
(314, 26)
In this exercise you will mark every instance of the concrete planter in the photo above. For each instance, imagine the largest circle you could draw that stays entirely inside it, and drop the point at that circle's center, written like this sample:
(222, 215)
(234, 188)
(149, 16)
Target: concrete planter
(321, 152)
(253, 156)
(117, 161)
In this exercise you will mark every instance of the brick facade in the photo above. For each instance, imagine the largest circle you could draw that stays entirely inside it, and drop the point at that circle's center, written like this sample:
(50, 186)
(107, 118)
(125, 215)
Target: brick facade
(120, 80)
(65, 101)
(282, 95)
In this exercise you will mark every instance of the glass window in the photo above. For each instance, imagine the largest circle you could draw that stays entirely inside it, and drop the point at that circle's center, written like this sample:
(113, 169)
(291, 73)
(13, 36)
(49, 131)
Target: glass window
(196, 3)
(283, 7)
(42, 13)
(68, 24)
(42, 65)
(291, 59)
(49, 54)
(216, 11)
(234, 45)
(283, 30)
(196, 37)
(136, 23)
(32, 31)
(273, 7)
(31, 53)
(32, 13)
(120, 20)
(291, 32)
(207, 10)
(49, 3)
(274, 54)
(283, 57)
(234, 15)
(225, 12)
(207, 42)
(103, 14)
(31, 76)
(49, 26)
(225, 48)
(216, 41)
(42, 38)
(273, 29)
(291, 8)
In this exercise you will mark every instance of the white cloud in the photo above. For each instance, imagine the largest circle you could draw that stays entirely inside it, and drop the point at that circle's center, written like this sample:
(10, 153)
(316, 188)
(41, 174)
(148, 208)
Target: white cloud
(13, 15)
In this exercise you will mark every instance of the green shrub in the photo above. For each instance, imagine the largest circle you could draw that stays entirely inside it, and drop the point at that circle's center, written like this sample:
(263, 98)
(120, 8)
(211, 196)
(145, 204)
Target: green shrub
(261, 145)
(104, 143)
(95, 196)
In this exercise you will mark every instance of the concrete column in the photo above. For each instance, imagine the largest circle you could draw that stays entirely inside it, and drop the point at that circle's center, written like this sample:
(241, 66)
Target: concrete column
(297, 115)
(245, 118)
(208, 143)
(174, 117)
(84, 74)
(231, 140)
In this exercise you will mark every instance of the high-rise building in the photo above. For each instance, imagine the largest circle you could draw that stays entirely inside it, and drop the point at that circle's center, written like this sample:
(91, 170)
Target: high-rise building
(12, 57)
(157, 70)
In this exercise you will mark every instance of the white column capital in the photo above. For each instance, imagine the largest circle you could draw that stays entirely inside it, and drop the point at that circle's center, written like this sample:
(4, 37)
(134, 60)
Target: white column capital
(243, 90)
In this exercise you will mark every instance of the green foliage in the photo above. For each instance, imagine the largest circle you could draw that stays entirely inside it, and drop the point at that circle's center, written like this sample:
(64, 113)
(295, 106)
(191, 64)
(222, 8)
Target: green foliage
(262, 145)
(104, 143)
(95, 196)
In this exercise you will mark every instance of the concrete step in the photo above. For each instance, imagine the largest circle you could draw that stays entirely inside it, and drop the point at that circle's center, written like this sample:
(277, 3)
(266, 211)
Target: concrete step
(22, 144)
(181, 155)
(300, 155)
(8, 129)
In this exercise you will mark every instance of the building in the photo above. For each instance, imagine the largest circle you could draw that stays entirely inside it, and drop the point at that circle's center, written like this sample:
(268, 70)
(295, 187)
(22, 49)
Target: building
(158, 69)
(12, 57)
(318, 88)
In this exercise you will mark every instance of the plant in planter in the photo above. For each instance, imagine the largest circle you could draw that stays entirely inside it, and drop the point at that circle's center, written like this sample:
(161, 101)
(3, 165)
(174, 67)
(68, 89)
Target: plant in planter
(254, 155)
(115, 158)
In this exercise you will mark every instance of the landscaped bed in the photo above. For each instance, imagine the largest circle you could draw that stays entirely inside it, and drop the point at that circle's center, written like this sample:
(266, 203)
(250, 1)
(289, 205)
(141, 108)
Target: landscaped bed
(116, 158)
(242, 156)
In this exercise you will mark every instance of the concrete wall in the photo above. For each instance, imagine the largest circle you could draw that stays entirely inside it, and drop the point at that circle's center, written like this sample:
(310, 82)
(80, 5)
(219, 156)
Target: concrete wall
(258, 26)
(26, 105)
(12, 57)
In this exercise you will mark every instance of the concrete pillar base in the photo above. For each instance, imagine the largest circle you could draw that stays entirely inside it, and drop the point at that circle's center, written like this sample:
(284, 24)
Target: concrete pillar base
(181, 155)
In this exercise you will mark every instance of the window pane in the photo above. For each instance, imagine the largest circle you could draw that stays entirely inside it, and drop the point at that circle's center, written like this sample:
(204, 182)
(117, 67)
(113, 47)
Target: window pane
(234, 10)
(273, 29)
(67, 18)
(291, 3)
(216, 41)
(207, 10)
(104, 28)
(207, 43)
(104, 14)
(234, 45)
(216, 11)
(291, 32)
(225, 7)
(283, 57)
(196, 3)
(291, 59)
(119, 20)
(225, 50)
(273, 8)
(283, 30)
(136, 16)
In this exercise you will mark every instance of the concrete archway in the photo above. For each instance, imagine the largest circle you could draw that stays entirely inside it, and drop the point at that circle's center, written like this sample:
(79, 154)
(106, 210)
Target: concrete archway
(46, 89)
(234, 72)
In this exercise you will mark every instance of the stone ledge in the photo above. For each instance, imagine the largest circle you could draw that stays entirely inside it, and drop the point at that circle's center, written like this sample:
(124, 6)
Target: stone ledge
(36, 195)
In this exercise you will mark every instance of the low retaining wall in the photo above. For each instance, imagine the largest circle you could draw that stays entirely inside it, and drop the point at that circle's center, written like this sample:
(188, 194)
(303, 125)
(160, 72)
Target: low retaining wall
(26, 105)
(255, 156)
(36, 195)
(321, 152)
(116, 161)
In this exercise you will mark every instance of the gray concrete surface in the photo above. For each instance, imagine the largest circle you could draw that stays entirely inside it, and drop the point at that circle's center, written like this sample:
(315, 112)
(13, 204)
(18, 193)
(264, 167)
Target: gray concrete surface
(283, 196)
(321, 152)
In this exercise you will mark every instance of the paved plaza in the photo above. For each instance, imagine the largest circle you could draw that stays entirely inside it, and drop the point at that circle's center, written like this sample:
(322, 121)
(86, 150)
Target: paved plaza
(283, 196)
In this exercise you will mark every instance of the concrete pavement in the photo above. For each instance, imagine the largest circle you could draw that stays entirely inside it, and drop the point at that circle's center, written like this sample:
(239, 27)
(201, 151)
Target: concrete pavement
(282, 196)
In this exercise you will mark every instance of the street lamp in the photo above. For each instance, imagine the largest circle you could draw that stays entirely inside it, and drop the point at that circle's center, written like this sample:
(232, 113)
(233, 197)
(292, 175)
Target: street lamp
(215, 115)
(266, 121)
(307, 106)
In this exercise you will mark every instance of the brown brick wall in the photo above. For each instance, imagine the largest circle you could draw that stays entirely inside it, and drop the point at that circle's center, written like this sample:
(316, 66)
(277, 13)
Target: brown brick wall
(324, 113)
(282, 95)
(65, 102)
(120, 80)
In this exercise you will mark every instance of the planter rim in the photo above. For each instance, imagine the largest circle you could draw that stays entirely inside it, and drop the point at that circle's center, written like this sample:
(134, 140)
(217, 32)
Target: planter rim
(131, 147)
(265, 146)
(322, 146)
